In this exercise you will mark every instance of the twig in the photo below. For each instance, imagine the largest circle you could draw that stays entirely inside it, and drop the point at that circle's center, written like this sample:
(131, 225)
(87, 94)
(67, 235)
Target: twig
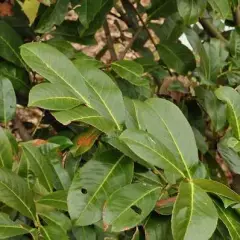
(17, 125)
(109, 41)
(164, 202)
(211, 30)
(122, 55)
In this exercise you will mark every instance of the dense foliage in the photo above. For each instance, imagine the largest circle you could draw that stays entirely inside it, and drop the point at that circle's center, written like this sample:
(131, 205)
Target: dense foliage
(138, 140)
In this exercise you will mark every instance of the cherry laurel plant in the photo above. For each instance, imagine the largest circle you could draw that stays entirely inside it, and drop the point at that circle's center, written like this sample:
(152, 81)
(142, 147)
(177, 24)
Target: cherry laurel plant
(138, 119)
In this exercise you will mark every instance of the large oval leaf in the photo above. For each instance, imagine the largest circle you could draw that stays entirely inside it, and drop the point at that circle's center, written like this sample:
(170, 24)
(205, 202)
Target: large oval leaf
(6, 155)
(48, 96)
(194, 212)
(94, 183)
(39, 164)
(232, 98)
(53, 232)
(55, 67)
(7, 100)
(86, 115)
(9, 228)
(128, 206)
(10, 42)
(177, 56)
(105, 97)
(14, 192)
(162, 120)
(152, 151)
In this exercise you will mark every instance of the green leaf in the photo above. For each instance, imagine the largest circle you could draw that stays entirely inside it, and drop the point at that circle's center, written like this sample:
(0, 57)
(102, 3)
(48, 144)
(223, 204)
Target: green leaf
(9, 228)
(152, 151)
(85, 141)
(128, 206)
(10, 42)
(177, 56)
(200, 141)
(214, 108)
(16, 75)
(7, 100)
(221, 7)
(231, 221)
(55, 67)
(14, 192)
(147, 177)
(82, 59)
(217, 188)
(157, 228)
(47, 96)
(162, 8)
(53, 232)
(56, 199)
(162, 120)
(105, 97)
(109, 172)
(54, 15)
(232, 98)
(6, 154)
(56, 218)
(39, 164)
(191, 10)
(85, 115)
(62, 141)
(63, 46)
(193, 212)
(130, 71)
(84, 233)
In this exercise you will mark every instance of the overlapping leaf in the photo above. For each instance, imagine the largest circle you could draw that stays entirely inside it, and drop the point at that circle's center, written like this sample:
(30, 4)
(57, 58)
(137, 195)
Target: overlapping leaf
(110, 171)
(55, 67)
(194, 212)
(53, 232)
(128, 206)
(47, 96)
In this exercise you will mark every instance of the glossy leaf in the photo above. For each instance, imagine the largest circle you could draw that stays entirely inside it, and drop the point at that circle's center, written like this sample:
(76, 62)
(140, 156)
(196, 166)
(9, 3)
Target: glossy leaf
(37, 163)
(53, 232)
(110, 171)
(217, 188)
(54, 15)
(231, 221)
(232, 98)
(9, 228)
(191, 10)
(177, 57)
(85, 115)
(10, 42)
(105, 96)
(130, 71)
(7, 101)
(56, 199)
(6, 154)
(55, 67)
(167, 117)
(222, 7)
(90, 62)
(84, 233)
(14, 192)
(193, 212)
(152, 151)
(85, 141)
(47, 96)
(128, 206)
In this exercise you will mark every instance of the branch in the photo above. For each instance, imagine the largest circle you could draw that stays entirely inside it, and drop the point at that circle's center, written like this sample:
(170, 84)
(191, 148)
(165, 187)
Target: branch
(122, 55)
(109, 41)
(211, 29)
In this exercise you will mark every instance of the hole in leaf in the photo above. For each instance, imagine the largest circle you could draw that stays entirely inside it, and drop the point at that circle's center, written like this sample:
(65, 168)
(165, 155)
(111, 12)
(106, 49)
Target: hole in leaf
(136, 209)
(84, 191)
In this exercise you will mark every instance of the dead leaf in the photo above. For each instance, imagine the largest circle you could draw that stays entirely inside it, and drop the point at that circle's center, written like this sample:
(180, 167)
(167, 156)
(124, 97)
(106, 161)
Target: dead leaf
(6, 9)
